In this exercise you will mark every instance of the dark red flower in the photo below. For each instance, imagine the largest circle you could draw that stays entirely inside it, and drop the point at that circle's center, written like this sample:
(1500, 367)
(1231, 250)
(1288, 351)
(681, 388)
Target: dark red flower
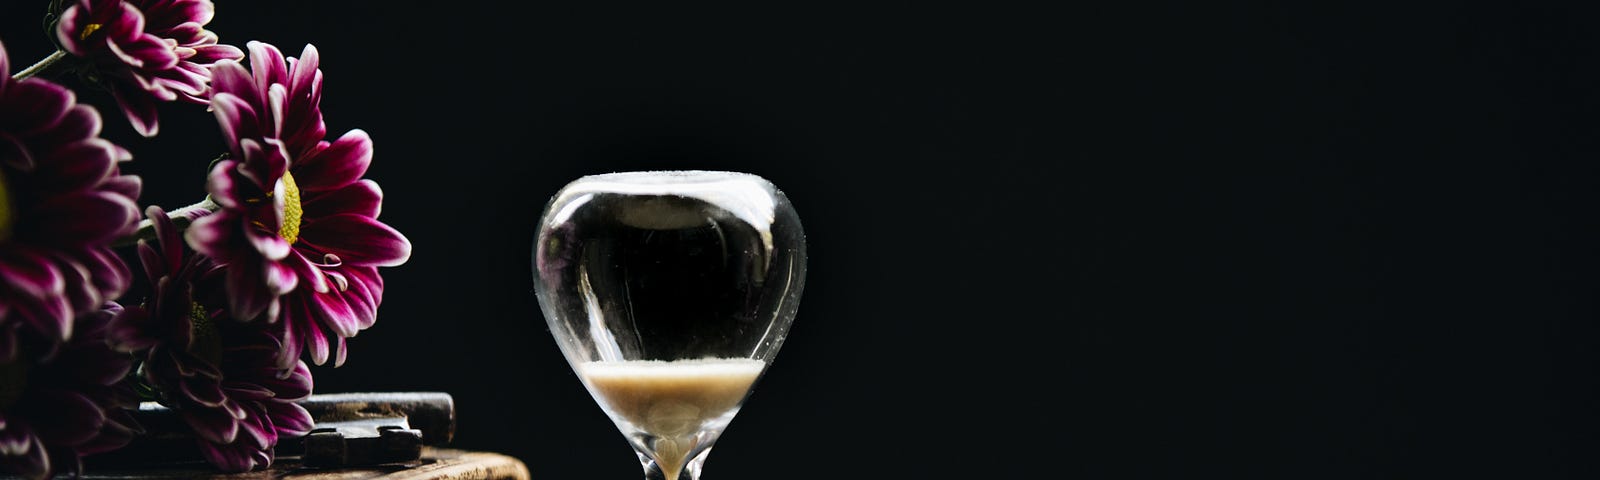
(149, 51)
(63, 201)
(62, 401)
(297, 226)
(222, 376)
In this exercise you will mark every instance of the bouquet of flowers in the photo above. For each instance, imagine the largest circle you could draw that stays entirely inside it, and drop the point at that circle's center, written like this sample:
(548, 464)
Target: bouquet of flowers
(275, 265)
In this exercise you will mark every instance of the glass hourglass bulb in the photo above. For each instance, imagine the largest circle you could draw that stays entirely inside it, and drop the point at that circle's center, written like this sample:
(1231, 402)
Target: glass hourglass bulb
(669, 293)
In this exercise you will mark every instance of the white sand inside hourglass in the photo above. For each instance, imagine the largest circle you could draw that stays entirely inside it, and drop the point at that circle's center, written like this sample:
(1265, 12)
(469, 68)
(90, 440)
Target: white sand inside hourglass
(671, 400)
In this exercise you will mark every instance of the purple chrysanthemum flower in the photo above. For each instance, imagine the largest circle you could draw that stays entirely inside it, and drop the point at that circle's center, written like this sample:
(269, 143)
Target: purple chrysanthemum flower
(297, 225)
(149, 51)
(61, 401)
(221, 376)
(62, 203)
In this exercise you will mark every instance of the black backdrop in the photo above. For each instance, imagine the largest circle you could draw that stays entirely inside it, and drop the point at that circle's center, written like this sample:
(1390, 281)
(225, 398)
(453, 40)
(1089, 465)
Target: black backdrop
(1135, 241)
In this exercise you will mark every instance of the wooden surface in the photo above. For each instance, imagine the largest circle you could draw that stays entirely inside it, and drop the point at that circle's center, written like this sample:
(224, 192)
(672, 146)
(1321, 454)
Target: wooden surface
(436, 464)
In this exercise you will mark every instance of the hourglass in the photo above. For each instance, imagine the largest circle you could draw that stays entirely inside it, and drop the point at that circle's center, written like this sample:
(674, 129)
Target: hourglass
(669, 293)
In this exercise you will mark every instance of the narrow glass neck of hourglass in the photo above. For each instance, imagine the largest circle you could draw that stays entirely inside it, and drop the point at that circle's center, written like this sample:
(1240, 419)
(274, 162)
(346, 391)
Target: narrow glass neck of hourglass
(688, 469)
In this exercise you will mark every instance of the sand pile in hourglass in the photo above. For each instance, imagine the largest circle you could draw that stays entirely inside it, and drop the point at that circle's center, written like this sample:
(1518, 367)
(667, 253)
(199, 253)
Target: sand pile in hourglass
(672, 400)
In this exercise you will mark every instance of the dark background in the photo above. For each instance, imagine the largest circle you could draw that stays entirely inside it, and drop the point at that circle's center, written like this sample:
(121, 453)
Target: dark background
(1136, 241)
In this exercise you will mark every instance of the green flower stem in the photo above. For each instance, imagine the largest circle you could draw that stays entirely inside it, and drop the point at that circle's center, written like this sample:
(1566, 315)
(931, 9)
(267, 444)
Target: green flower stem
(41, 66)
(181, 218)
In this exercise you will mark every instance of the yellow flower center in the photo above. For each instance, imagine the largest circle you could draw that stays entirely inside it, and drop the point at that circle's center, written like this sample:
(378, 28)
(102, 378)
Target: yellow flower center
(89, 30)
(292, 211)
(207, 340)
(5, 209)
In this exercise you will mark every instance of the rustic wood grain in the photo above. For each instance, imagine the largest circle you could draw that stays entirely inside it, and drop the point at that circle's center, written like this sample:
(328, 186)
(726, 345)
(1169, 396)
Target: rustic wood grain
(435, 464)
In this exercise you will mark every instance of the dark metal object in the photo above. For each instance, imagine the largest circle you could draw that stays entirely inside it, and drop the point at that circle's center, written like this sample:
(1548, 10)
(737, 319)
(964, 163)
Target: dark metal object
(433, 413)
(351, 429)
(361, 442)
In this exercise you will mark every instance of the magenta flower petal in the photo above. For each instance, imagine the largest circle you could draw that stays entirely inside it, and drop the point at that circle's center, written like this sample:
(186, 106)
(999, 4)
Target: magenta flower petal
(316, 340)
(109, 272)
(30, 459)
(24, 272)
(212, 424)
(141, 112)
(182, 13)
(234, 458)
(336, 313)
(249, 297)
(357, 240)
(75, 278)
(343, 162)
(132, 331)
(266, 64)
(14, 440)
(363, 197)
(31, 106)
(231, 77)
(271, 247)
(144, 52)
(50, 316)
(202, 391)
(236, 117)
(167, 239)
(290, 419)
(83, 215)
(94, 166)
(80, 122)
(118, 431)
(209, 232)
(215, 53)
(364, 294)
(124, 22)
(280, 278)
(302, 267)
(264, 163)
(247, 391)
(254, 431)
(304, 128)
(186, 29)
(125, 185)
(291, 342)
(154, 264)
(307, 78)
(277, 106)
(185, 82)
(72, 20)
(340, 351)
(222, 189)
(295, 386)
(15, 154)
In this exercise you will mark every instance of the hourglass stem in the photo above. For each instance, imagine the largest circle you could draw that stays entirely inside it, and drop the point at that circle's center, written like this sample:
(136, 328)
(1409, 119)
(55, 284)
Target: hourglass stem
(690, 469)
